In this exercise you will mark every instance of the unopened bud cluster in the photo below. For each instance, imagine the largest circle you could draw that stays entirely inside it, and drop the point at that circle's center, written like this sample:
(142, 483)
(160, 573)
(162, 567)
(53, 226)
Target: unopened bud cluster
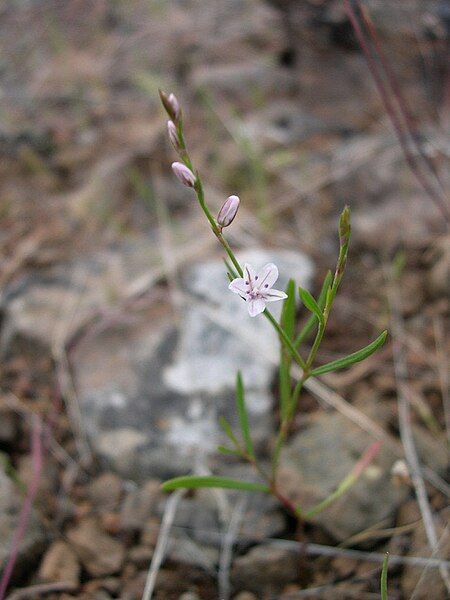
(183, 173)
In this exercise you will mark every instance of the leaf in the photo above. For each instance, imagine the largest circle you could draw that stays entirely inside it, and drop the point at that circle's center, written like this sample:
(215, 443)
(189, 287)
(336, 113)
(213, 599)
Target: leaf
(287, 322)
(228, 431)
(309, 325)
(323, 292)
(243, 416)
(353, 358)
(228, 451)
(212, 481)
(311, 304)
(384, 574)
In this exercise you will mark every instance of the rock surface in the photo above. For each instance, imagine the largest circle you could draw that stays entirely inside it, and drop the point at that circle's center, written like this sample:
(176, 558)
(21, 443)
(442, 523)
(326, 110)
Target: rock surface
(265, 569)
(60, 563)
(100, 553)
(152, 397)
(318, 458)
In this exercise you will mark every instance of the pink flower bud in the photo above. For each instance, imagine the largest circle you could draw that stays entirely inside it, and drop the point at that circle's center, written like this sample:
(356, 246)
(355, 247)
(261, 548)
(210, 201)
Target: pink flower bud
(173, 135)
(171, 105)
(185, 175)
(174, 105)
(228, 211)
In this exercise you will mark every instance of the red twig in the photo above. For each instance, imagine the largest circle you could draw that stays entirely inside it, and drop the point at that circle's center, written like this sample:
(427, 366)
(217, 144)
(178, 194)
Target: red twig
(401, 102)
(36, 452)
(399, 118)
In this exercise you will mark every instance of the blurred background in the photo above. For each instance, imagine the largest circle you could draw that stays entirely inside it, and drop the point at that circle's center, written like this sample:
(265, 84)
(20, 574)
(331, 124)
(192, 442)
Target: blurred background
(119, 341)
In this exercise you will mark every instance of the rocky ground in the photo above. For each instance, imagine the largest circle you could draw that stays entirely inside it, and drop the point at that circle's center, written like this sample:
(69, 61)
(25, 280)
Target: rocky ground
(115, 329)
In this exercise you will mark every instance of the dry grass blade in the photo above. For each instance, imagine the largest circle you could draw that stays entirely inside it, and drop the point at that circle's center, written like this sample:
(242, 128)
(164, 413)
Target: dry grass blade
(226, 550)
(42, 589)
(161, 546)
(405, 136)
(442, 363)
(406, 434)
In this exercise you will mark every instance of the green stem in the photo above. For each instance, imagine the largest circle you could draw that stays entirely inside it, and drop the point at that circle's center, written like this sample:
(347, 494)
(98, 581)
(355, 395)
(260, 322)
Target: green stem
(286, 340)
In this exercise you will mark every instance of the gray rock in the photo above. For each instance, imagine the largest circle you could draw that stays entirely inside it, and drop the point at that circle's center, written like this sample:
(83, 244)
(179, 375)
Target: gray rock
(60, 563)
(40, 311)
(105, 491)
(265, 570)
(210, 352)
(318, 458)
(152, 398)
(99, 553)
(409, 219)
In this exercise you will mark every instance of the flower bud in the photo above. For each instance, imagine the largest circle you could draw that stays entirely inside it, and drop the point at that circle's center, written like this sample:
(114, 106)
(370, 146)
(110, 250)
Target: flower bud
(185, 175)
(173, 135)
(171, 105)
(344, 226)
(228, 211)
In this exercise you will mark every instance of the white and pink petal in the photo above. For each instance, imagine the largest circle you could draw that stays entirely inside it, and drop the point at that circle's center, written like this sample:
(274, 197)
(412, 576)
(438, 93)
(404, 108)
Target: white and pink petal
(267, 276)
(255, 306)
(250, 276)
(239, 286)
(274, 295)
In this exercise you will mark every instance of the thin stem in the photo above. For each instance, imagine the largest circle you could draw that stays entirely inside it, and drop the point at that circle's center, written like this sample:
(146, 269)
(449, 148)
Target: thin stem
(285, 338)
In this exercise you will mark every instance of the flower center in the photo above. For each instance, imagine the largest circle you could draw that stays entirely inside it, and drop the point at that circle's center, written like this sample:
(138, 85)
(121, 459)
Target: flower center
(254, 294)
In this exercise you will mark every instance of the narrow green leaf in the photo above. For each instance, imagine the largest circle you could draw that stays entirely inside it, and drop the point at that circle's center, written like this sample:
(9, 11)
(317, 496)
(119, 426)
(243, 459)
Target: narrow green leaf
(384, 574)
(323, 292)
(228, 451)
(287, 322)
(212, 481)
(228, 431)
(309, 325)
(310, 303)
(355, 357)
(243, 416)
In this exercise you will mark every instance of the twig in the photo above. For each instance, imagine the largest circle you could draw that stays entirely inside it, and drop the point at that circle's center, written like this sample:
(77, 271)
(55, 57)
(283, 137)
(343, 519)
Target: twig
(439, 483)
(442, 363)
(403, 134)
(404, 415)
(417, 589)
(311, 549)
(37, 591)
(161, 545)
(226, 550)
(36, 452)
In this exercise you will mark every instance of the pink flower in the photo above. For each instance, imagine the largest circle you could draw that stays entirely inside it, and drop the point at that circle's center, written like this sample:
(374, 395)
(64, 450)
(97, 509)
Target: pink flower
(256, 289)
(228, 211)
(185, 175)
